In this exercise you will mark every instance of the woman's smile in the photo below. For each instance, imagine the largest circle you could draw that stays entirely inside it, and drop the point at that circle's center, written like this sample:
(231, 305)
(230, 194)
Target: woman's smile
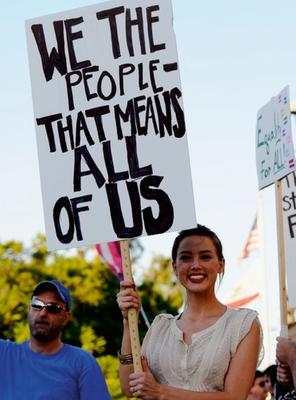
(197, 277)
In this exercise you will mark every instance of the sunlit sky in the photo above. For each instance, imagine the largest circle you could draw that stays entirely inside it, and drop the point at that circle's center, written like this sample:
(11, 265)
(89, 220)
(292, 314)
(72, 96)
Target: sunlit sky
(233, 57)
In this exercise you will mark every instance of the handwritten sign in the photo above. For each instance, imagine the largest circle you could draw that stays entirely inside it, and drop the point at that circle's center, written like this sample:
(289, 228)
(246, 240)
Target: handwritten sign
(110, 126)
(274, 145)
(289, 211)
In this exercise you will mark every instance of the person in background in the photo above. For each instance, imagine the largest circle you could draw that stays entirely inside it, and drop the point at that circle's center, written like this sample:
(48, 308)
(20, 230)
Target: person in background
(286, 369)
(44, 367)
(201, 353)
(259, 390)
(270, 376)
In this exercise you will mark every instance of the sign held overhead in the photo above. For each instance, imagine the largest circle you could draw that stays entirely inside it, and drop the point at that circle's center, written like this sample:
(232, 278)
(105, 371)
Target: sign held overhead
(110, 125)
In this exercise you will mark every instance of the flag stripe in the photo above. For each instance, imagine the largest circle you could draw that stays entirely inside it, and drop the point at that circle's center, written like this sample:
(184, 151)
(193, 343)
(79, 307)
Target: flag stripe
(111, 255)
(246, 288)
(243, 301)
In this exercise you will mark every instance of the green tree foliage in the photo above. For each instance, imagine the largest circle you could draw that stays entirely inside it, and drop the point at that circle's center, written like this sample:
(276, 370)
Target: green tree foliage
(97, 322)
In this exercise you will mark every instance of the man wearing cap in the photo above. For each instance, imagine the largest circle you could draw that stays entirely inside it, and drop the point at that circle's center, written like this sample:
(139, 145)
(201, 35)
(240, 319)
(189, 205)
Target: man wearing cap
(45, 368)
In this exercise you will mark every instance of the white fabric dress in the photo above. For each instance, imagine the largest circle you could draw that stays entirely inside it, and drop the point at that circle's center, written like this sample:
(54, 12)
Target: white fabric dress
(202, 365)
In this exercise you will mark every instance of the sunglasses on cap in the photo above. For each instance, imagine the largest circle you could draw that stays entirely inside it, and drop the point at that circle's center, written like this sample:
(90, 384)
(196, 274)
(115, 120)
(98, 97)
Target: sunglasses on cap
(38, 305)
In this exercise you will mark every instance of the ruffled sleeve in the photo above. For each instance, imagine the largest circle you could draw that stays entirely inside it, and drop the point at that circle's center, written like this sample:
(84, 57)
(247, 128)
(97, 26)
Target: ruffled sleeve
(243, 321)
(158, 323)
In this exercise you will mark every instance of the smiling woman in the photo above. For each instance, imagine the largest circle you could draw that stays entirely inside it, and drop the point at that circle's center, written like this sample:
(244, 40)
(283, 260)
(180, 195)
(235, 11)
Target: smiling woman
(199, 354)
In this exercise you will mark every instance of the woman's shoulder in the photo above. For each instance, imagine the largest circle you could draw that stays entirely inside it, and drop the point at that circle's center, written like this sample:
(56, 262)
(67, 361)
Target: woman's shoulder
(164, 317)
(241, 320)
(162, 323)
(245, 319)
(163, 320)
(242, 313)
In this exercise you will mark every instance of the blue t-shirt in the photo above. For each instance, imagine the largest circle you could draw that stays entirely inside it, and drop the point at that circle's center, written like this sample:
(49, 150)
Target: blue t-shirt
(69, 374)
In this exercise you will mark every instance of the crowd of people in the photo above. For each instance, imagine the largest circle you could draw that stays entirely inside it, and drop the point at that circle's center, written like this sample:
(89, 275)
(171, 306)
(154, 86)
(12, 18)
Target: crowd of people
(207, 352)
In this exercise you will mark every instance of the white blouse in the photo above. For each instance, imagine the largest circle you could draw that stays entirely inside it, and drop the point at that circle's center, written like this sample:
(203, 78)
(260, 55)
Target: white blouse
(202, 365)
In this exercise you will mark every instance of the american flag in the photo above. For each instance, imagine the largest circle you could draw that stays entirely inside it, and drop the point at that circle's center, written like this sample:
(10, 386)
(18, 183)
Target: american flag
(246, 289)
(111, 255)
(252, 242)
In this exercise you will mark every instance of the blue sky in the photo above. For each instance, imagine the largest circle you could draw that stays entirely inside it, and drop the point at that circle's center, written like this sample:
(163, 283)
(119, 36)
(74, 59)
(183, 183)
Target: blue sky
(233, 57)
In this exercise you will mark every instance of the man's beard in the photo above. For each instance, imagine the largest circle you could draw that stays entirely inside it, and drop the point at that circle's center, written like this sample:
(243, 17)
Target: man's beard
(42, 331)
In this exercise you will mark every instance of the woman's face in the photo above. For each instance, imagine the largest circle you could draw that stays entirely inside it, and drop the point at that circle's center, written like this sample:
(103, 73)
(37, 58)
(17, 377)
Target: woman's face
(197, 263)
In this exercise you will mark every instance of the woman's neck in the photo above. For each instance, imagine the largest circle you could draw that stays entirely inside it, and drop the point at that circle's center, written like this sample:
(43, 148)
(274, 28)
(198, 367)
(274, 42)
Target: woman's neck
(199, 305)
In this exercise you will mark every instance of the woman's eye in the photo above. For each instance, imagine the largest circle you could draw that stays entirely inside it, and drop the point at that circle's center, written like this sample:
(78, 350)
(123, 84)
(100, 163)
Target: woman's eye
(185, 258)
(206, 258)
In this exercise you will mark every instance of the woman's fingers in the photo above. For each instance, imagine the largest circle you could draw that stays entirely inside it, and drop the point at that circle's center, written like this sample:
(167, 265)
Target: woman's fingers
(127, 297)
(136, 382)
(126, 284)
(128, 302)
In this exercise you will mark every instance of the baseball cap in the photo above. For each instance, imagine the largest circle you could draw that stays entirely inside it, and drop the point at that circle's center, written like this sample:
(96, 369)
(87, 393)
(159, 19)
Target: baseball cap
(62, 291)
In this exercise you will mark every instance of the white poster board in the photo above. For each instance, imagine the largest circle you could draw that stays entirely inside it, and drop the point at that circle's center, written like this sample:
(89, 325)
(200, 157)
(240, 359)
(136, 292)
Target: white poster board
(109, 119)
(274, 145)
(289, 211)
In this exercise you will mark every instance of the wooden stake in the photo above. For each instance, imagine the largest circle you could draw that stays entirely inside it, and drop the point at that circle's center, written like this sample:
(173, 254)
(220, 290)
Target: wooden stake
(132, 312)
(281, 259)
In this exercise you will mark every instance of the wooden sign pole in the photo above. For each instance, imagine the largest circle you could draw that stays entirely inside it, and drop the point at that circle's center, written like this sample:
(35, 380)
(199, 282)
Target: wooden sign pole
(281, 259)
(132, 312)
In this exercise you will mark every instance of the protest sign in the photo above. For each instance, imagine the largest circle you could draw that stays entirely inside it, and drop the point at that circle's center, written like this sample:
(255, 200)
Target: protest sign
(275, 159)
(289, 211)
(112, 144)
(274, 145)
